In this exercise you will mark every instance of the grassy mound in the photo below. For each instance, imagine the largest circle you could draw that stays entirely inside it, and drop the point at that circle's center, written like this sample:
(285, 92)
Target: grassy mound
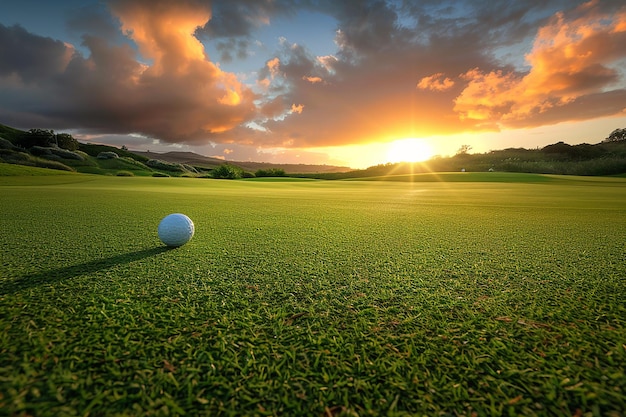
(7, 169)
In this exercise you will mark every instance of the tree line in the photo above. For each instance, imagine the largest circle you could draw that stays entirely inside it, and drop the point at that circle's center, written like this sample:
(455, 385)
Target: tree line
(46, 138)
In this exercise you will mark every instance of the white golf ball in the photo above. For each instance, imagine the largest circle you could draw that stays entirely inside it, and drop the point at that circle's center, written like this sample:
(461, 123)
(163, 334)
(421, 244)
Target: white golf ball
(176, 229)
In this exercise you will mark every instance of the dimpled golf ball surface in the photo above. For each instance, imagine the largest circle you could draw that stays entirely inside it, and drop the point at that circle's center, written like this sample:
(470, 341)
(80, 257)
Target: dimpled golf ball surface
(176, 229)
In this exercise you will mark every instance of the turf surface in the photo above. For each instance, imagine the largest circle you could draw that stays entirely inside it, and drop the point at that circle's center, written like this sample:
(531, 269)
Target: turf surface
(313, 297)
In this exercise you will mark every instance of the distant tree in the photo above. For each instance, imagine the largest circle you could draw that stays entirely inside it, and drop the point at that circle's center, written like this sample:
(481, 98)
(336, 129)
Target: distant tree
(585, 151)
(226, 171)
(464, 150)
(66, 141)
(37, 137)
(559, 148)
(617, 135)
(271, 172)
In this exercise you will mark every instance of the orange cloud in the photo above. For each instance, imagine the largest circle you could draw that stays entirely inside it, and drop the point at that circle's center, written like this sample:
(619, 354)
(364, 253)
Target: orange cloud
(328, 62)
(274, 66)
(312, 80)
(163, 31)
(571, 58)
(435, 82)
(180, 95)
(487, 96)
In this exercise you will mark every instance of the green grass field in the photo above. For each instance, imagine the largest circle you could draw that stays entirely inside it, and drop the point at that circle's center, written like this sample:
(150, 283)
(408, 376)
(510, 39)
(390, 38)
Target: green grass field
(473, 296)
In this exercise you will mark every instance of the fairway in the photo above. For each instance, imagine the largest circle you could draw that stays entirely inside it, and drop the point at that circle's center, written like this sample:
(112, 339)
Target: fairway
(461, 297)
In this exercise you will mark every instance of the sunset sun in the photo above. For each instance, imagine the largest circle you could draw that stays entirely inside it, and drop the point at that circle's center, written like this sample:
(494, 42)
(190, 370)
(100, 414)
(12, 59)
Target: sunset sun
(409, 150)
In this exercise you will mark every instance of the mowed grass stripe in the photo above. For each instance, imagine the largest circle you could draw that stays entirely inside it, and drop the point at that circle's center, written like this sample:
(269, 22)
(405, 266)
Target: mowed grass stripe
(313, 297)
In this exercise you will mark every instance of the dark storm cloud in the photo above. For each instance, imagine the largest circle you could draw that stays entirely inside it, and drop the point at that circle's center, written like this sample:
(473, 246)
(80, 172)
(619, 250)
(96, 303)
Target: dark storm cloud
(233, 23)
(31, 58)
(367, 27)
(95, 20)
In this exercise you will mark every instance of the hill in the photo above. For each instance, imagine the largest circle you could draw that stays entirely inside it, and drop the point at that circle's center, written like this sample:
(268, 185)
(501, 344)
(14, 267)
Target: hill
(10, 133)
(194, 159)
(189, 158)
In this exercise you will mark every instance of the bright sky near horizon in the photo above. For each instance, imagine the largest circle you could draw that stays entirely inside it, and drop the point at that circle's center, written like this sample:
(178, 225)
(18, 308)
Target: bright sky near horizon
(353, 83)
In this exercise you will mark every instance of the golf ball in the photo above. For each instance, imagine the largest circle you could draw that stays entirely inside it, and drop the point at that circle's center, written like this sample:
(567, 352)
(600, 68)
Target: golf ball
(176, 229)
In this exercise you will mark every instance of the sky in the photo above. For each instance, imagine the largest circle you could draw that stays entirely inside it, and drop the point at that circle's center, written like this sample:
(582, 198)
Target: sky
(353, 83)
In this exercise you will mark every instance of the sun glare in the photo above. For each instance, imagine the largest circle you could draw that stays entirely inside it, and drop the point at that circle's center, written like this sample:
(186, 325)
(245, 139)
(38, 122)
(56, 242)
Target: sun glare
(409, 150)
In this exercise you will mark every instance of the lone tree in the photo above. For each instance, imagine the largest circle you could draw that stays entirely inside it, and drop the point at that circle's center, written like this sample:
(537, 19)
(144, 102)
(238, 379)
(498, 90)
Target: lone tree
(464, 150)
(617, 135)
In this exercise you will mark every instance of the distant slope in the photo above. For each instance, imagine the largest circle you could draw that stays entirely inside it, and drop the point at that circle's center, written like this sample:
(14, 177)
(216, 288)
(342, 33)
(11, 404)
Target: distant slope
(293, 168)
(10, 133)
(15, 170)
(191, 158)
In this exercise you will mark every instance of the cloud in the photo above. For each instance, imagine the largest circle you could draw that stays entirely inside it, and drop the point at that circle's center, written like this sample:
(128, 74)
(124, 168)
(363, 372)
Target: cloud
(366, 27)
(312, 80)
(273, 66)
(328, 62)
(234, 23)
(171, 91)
(163, 31)
(575, 57)
(30, 58)
(94, 19)
(435, 82)
(239, 19)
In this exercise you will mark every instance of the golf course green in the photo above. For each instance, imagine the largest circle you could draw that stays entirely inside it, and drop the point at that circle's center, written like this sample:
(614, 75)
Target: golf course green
(453, 294)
